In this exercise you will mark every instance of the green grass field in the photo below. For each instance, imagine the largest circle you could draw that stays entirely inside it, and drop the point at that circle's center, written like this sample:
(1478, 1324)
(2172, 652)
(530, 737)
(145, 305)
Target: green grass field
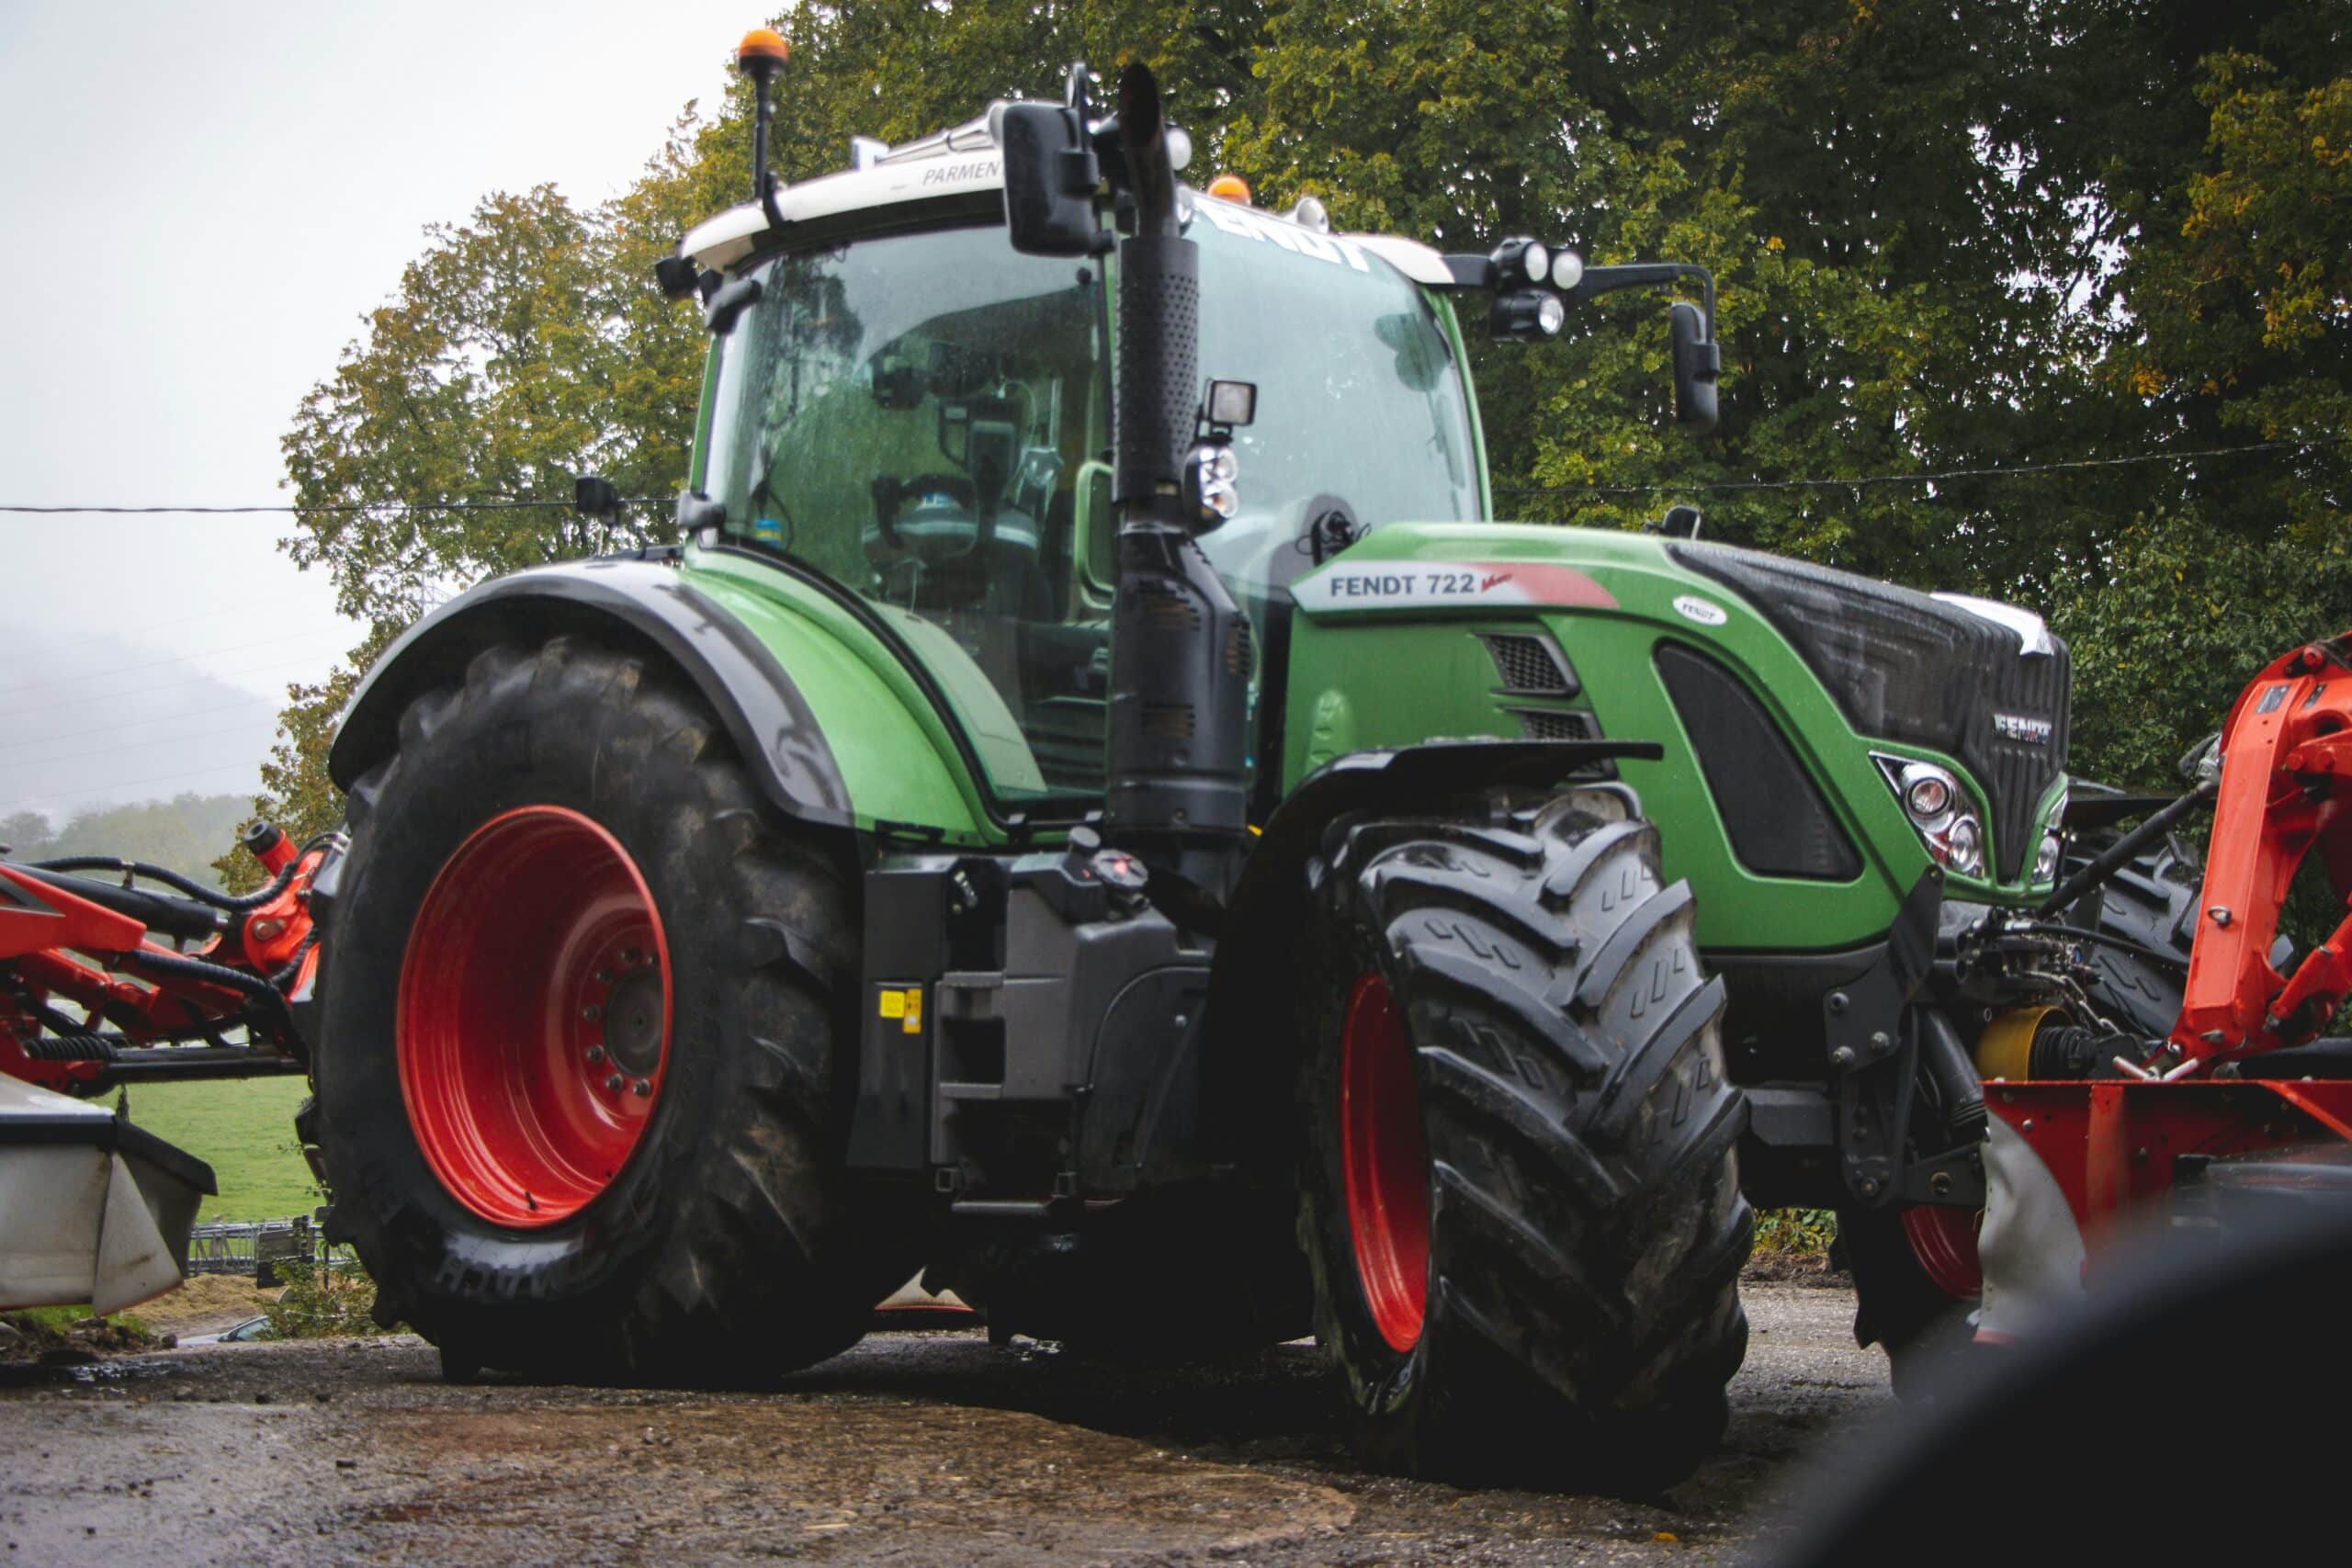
(245, 1130)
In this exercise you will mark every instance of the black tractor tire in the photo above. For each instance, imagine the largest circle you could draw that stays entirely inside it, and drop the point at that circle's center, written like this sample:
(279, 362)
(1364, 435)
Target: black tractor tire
(1585, 1228)
(1927, 1332)
(2150, 902)
(727, 1247)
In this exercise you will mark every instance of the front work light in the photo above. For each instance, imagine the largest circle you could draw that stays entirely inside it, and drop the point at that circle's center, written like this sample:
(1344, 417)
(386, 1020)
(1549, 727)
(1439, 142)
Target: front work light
(1517, 262)
(1567, 270)
(1529, 314)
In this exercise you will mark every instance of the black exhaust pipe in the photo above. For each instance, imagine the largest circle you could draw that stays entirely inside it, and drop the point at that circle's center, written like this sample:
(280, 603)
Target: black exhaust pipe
(1181, 653)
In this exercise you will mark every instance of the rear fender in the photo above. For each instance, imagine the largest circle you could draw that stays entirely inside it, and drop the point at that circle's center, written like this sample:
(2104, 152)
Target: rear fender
(636, 603)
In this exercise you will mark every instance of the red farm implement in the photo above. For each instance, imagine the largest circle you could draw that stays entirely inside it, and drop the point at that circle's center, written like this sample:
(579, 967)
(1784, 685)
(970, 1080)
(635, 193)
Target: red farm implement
(105, 981)
(2245, 1104)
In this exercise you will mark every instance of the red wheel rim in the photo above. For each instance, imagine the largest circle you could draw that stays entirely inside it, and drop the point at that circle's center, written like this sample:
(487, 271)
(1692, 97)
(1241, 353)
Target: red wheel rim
(533, 1026)
(1384, 1164)
(1944, 1241)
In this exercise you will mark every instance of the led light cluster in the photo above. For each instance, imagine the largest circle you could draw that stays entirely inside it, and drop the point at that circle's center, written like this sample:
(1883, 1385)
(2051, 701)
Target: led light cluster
(1528, 277)
(2045, 858)
(1213, 475)
(1940, 811)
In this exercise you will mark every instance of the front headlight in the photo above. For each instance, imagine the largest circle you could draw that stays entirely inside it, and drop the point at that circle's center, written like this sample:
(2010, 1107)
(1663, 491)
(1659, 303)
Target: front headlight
(2045, 859)
(1940, 811)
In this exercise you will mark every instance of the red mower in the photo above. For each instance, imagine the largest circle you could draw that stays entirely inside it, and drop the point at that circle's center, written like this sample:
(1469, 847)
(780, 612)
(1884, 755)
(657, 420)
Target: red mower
(106, 981)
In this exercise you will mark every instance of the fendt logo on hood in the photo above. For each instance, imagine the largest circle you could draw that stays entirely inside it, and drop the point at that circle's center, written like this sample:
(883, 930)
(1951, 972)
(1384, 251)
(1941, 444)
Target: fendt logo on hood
(2019, 727)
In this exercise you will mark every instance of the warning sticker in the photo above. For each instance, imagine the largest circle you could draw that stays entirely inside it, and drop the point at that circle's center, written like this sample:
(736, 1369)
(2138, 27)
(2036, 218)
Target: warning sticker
(903, 1003)
(1344, 589)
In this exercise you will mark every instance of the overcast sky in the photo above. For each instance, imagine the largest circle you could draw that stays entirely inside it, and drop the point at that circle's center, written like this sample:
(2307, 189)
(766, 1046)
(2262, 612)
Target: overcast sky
(201, 202)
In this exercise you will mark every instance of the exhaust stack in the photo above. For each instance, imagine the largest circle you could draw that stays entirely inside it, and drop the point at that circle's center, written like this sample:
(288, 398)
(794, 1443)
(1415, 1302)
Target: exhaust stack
(1181, 653)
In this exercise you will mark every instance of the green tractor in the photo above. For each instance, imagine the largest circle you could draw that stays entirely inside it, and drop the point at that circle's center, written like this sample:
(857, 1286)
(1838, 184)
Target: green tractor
(1094, 813)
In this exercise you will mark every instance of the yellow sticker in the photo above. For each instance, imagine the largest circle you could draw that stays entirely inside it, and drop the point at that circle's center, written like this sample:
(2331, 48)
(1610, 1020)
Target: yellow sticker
(894, 1004)
(913, 1025)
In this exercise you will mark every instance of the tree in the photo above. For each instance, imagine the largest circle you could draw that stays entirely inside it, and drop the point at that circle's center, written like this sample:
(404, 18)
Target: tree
(1945, 238)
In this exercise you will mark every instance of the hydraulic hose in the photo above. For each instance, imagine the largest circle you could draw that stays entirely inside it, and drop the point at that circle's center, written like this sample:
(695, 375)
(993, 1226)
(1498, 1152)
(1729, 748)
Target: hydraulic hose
(1958, 1091)
(156, 911)
(2120, 852)
(273, 1003)
(232, 904)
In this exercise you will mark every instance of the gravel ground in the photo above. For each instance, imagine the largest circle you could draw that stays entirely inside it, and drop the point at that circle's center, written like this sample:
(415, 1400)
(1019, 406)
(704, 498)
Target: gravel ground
(913, 1449)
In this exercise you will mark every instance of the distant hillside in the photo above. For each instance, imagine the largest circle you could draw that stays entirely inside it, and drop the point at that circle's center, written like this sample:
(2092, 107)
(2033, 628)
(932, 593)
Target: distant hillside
(186, 833)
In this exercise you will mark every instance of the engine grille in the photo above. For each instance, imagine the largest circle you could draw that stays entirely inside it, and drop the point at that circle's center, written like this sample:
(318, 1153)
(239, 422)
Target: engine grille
(1906, 667)
(1529, 665)
(1539, 723)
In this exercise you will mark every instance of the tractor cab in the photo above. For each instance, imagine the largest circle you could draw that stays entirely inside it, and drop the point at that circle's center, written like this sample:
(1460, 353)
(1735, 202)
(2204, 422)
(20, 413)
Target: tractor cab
(906, 404)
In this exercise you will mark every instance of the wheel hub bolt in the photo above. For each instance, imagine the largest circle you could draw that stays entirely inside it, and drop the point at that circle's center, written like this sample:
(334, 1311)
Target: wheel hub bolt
(644, 1088)
(604, 976)
(628, 955)
(614, 1083)
(592, 1012)
(595, 1054)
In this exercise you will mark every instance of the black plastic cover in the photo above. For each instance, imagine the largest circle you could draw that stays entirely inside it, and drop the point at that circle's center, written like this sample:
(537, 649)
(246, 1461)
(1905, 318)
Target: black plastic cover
(1906, 667)
(1777, 819)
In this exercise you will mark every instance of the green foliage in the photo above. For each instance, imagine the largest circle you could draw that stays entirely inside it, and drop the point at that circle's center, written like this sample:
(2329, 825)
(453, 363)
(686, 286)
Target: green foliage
(2181, 617)
(323, 1300)
(58, 1319)
(1945, 238)
(1795, 1232)
(182, 833)
(245, 1130)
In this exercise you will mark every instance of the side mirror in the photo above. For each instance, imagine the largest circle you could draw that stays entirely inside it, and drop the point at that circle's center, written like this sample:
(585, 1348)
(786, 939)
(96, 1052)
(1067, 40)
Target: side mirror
(1697, 362)
(593, 496)
(1050, 175)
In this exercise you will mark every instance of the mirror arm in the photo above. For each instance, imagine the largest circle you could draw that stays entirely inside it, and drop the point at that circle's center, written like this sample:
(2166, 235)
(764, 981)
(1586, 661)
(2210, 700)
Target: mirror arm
(1470, 271)
(1598, 280)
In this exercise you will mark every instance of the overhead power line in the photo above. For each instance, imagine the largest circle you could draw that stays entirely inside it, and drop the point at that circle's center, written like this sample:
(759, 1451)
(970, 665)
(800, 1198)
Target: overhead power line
(282, 511)
(289, 666)
(2015, 471)
(174, 659)
(252, 767)
(1937, 476)
(51, 759)
(256, 701)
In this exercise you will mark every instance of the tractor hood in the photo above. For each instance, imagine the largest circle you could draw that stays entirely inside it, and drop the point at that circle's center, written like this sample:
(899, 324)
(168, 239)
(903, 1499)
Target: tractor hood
(1984, 683)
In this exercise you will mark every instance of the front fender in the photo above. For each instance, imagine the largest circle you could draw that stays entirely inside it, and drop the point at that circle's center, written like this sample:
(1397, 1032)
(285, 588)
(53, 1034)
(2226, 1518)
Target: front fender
(1249, 1008)
(635, 601)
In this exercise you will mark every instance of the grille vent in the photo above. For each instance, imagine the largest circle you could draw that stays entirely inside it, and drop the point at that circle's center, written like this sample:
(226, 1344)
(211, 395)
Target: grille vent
(1529, 664)
(1541, 725)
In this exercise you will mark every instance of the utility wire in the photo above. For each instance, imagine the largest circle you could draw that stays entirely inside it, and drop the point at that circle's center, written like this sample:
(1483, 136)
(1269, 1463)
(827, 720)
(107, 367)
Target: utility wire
(252, 767)
(2013, 470)
(289, 665)
(2069, 465)
(256, 701)
(216, 731)
(339, 506)
(174, 659)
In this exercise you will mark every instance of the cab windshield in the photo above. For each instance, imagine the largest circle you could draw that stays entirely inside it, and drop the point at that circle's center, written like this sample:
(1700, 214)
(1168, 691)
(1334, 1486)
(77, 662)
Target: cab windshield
(924, 418)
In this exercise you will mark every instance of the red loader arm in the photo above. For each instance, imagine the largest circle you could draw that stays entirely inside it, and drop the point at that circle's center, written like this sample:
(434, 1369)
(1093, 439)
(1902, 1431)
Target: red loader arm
(2286, 786)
